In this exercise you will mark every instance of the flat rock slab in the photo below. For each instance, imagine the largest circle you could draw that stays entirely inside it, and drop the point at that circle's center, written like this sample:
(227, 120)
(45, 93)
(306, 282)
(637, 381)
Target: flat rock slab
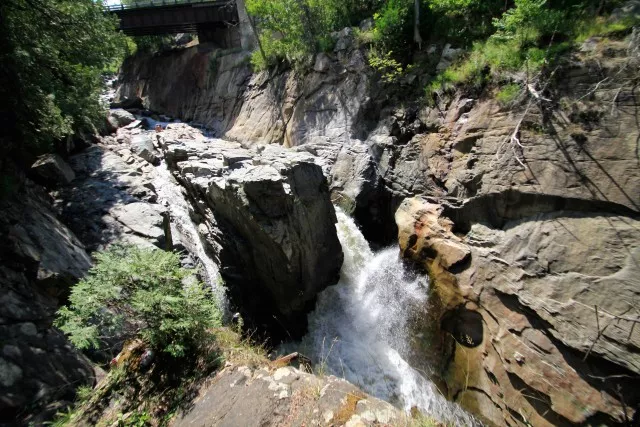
(240, 396)
(142, 218)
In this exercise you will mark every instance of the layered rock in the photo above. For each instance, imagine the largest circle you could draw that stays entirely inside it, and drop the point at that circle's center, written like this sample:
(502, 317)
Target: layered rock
(576, 159)
(113, 199)
(278, 247)
(542, 312)
(39, 261)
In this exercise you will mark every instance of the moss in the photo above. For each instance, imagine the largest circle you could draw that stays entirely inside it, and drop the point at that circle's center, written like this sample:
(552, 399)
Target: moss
(348, 408)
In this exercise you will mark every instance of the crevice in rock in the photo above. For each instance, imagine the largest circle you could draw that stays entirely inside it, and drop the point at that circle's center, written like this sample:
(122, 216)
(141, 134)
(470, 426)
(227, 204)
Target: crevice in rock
(603, 375)
(496, 209)
(466, 326)
(539, 401)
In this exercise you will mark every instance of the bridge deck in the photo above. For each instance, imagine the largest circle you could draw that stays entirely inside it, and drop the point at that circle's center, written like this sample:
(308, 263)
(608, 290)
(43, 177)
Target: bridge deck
(176, 16)
(146, 4)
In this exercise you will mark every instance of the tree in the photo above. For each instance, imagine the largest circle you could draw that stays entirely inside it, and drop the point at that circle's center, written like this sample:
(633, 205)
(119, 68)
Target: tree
(139, 293)
(52, 54)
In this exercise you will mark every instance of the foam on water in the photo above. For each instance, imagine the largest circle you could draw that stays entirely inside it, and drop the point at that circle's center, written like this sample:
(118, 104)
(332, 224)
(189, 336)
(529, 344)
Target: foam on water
(360, 327)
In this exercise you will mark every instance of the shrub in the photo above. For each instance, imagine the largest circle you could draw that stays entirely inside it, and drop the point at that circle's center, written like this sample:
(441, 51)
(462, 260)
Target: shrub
(389, 68)
(508, 93)
(133, 292)
(393, 24)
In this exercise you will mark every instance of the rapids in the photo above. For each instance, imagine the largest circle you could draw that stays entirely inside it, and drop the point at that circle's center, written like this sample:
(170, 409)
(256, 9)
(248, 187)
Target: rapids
(360, 330)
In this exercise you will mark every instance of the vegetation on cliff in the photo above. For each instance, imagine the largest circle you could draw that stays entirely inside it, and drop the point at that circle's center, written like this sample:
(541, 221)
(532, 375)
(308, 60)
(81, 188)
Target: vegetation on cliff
(498, 36)
(134, 293)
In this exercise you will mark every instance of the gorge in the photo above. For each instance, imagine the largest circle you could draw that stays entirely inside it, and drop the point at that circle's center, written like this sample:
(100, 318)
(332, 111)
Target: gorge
(472, 260)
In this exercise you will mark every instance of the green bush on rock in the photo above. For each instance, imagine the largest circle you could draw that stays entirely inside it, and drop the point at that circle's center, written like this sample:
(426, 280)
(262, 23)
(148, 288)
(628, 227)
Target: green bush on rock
(139, 293)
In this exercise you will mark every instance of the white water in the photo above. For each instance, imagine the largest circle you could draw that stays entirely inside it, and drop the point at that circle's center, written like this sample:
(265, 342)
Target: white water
(360, 328)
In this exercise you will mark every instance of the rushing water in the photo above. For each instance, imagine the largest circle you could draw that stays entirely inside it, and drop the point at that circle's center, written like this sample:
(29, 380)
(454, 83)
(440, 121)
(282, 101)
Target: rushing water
(360, 327)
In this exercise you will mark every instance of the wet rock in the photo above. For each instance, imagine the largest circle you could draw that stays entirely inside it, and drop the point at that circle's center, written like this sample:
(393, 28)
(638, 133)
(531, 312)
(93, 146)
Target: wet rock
(51, 169)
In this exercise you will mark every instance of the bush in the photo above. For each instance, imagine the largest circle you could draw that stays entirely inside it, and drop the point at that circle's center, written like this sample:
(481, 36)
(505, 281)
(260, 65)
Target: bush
(389, 68)
(508, 93)
(139, 293)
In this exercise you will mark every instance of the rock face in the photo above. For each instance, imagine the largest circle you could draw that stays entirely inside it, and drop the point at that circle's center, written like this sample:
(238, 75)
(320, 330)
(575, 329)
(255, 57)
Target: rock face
(113, 199)
(278, 246)
(286, 396)
(555, 299)
(40, 259)
(522, 240)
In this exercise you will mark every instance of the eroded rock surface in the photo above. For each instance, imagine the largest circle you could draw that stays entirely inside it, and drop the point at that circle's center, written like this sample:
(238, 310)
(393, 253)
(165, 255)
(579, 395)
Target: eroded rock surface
(240, 396)
(557, 294)
(527, 207)
(278, 245)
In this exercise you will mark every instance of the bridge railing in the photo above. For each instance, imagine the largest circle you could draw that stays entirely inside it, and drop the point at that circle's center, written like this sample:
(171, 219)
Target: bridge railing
(159, 3)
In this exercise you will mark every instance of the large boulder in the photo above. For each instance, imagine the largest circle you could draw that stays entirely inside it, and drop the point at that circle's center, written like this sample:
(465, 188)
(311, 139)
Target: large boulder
(118, 118)
(142, 145)
(279, 247)
(537, 309)
(145, 220)
(51, 169)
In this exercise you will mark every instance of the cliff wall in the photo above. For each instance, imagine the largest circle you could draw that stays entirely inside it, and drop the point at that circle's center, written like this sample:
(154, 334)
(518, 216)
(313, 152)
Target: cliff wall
(540, 197)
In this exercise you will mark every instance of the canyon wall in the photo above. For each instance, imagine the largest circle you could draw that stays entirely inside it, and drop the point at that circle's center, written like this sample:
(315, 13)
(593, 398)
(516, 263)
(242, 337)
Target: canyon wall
(527, 220)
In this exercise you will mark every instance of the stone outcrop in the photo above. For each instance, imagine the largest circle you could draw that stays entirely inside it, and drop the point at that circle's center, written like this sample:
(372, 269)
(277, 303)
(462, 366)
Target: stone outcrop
(278, 245)
(51, 170)
(113, 199)
(554, 298)
(40, 259)
(286, 396)
(118, 118)
(502, 216)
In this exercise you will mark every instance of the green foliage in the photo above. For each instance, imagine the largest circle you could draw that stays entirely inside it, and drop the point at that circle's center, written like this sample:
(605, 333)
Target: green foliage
(389, 68)
(508, 93)
(463, 21)
(134, 419)
(393, 25)
(52, 53)
(293, 30)
(141, 293)
(600, 26)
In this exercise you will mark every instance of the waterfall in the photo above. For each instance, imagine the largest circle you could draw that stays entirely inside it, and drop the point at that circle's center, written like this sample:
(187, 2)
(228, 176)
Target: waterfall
(360, 327)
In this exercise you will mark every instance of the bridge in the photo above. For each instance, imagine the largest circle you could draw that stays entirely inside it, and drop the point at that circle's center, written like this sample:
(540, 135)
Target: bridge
(213, 20)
